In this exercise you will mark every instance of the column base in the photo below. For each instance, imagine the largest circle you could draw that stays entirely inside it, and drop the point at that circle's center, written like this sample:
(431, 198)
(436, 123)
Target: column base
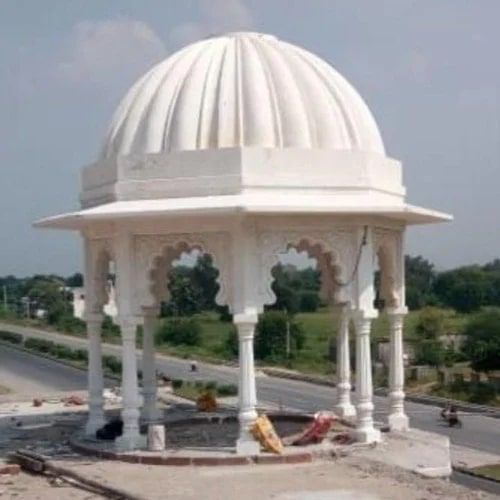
(345, 410)
(152, 415)
(130, 442)
(247, 447)
(398, 422)
(93, 424)
(367, 436)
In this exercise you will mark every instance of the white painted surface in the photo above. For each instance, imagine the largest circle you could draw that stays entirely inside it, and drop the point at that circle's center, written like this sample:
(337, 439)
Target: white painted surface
(95, 376)
(241, 89)
(344, 408)
(242, 146)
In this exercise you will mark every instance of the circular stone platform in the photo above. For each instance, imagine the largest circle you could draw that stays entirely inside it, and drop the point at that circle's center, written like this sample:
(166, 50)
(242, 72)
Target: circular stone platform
(207, 441)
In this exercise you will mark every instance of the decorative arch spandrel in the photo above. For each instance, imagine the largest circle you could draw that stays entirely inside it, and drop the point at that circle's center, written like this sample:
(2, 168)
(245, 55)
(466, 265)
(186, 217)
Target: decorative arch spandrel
(154, 255)
(332, 247)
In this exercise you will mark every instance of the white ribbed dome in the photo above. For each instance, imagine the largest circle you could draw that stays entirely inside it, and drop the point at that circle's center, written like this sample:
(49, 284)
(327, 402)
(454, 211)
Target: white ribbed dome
(241, 89)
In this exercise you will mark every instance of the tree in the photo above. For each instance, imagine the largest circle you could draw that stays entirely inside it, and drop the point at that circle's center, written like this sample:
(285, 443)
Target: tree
(75, 280)
(184, 296)
(420, 276)
(465, 289)
(482, 344)
(430, 352)
(295, 290)
(430, 324)
(192, 289)
(308, 301)
(204, 276)
(49, 294)
(271, 336)
(180, 331)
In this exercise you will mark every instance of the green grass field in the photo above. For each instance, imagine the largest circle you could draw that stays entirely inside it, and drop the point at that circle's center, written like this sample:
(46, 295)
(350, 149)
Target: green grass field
(490, 471)
(318, 327)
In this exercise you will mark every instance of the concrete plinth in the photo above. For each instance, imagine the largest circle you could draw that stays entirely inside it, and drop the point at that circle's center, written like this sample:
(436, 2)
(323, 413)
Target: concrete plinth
(345, 411)
(398, 422)
(368, 435)
(425, 453)
(130, 442)
(246, 447)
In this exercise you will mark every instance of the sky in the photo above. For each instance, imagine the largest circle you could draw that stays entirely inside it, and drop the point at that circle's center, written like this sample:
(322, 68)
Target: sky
(428, 69)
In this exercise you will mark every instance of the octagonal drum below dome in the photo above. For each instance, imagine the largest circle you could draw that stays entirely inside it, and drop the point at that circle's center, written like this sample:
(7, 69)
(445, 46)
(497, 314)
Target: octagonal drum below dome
(241, 90)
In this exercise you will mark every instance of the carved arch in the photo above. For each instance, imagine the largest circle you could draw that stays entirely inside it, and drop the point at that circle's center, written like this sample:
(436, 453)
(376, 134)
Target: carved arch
(154, 255)
(333, 249)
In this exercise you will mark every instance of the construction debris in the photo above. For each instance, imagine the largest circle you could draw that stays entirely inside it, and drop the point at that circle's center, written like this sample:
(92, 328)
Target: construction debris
(58, 475)
(110, 431)
(264, 432)
(316, 431)
(73, 400)
(9, 469)
(206, 402)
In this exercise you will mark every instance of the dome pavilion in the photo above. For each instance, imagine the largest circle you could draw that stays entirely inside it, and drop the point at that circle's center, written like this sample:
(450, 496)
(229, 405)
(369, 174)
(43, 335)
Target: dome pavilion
(244, 146)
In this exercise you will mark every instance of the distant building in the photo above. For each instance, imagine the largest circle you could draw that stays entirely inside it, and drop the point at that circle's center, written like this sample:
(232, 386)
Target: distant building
(79, 301)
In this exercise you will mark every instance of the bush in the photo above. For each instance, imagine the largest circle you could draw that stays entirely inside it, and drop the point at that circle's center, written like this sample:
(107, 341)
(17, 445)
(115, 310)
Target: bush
(431, 323)
(430, 352)
(224, 314)
(70, 324)
(61, 351)
(231, 342)
(81, 355)
(227, 390)
(40, 345)
(177, 383)
(109, 329)
(211, 385)
(309, 301)
(11, 337)
(482, 344)
(270, 339)
(482, 393)
(180, 331)
(113, 364)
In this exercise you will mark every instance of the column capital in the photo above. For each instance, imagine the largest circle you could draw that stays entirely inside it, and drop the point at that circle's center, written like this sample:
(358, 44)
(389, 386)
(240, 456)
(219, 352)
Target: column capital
(245, 318)
(397, 311)
(128, 326)
(364, 314)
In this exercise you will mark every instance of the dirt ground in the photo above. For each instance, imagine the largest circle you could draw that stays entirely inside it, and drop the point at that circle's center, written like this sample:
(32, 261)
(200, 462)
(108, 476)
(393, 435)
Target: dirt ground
(344, 478)
(348, 478)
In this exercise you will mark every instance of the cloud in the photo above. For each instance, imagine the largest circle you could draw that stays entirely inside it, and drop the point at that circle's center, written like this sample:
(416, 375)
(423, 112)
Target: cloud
(216, 16)
(111, 50)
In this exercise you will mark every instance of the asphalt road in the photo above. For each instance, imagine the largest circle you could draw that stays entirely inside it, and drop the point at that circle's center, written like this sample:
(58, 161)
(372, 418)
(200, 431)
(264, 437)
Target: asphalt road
(479, 432)
(26, 373)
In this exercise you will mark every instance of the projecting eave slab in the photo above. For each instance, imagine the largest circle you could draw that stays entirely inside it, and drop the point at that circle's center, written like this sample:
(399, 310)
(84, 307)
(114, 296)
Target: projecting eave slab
(232, 204)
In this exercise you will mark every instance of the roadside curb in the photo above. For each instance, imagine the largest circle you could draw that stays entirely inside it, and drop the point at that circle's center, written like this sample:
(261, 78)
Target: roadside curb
(470, 472)
(51, 358)
(312, 379)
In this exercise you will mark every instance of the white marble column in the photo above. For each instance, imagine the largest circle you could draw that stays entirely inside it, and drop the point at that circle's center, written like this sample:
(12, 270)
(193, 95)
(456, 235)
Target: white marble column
(150, 412)
(344, 407)
(130, 438)
(365, 431)
(246, 444)
(397, 420)
(95, 375)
